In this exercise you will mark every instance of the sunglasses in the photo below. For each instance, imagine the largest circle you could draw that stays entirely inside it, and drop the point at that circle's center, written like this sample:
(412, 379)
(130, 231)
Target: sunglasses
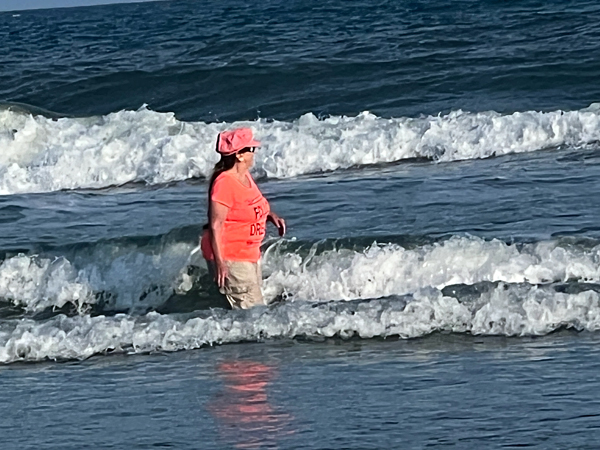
(247, 149)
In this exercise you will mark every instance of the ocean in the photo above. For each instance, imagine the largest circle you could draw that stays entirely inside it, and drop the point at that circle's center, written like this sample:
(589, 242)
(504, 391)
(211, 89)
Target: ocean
(437, 164)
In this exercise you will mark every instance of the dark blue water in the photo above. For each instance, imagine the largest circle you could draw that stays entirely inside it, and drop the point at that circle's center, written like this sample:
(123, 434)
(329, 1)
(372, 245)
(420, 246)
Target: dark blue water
(437, 164)
(277, 59)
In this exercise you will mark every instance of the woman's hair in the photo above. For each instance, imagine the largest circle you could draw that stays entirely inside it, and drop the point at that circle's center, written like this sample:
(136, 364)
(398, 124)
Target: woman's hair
(225, 163)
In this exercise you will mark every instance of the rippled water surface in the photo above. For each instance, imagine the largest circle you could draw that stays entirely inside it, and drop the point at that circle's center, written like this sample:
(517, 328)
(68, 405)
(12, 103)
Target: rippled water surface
(437, 164)
(442, 391)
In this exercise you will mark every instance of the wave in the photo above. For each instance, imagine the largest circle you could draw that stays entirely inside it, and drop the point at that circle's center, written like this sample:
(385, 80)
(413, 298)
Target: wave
(108, 277)
(39, 152)
(508, 310)
(136, 277)
(390, 269)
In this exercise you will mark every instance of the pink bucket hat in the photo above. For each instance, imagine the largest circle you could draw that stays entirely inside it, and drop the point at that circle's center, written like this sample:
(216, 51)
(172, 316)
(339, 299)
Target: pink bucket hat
(230, 142)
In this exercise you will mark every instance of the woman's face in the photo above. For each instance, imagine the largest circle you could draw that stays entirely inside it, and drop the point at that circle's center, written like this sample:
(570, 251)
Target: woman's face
(247, 158)
(250, 156)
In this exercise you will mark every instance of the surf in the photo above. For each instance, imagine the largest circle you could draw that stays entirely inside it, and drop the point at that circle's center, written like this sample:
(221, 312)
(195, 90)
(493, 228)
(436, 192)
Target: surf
(153, 148)
(166, 273)
(499, 310)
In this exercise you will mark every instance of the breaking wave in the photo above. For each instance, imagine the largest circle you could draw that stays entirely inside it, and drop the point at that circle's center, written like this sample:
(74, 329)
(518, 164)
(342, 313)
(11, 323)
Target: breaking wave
(117, 292)
(509, 310)
(114, 277)
(40, 153)
(138, 277)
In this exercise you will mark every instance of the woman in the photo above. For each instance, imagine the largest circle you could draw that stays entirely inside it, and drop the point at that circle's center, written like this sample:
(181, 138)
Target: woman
(237, 216)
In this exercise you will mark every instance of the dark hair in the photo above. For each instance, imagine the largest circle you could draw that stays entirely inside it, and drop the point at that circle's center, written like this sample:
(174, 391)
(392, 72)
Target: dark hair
(225, 163)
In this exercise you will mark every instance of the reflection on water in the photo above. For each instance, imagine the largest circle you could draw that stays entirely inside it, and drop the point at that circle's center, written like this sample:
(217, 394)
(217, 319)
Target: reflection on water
(245, 416)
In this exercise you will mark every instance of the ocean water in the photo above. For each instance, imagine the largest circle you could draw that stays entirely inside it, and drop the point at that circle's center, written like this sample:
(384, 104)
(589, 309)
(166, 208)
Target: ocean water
(437, 164)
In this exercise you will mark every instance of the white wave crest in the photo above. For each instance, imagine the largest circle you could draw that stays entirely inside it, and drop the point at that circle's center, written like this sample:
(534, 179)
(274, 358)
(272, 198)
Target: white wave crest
(132, 278)
(383, 270)
(41, 154)
(506, 310)
(38, 283)
(122, 277)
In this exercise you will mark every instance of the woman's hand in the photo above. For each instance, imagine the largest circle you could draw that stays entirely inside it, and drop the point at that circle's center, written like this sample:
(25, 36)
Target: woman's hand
(278, 222)
(222, 273)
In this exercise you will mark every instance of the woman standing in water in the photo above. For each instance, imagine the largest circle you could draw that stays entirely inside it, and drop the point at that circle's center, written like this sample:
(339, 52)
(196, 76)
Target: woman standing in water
(237, 216)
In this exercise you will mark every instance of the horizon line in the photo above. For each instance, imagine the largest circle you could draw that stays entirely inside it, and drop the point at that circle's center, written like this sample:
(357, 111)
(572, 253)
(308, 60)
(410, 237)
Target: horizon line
(101, 3)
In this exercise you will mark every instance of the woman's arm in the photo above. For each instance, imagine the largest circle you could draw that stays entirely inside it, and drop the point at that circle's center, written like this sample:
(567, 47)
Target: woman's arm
(278, 222)
(218, 214)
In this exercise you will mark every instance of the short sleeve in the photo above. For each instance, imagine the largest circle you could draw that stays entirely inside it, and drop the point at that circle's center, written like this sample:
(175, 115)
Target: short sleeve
(223, 191)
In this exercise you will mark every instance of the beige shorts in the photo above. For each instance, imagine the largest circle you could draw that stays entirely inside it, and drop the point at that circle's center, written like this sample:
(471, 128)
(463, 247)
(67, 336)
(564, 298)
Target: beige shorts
(242, 286)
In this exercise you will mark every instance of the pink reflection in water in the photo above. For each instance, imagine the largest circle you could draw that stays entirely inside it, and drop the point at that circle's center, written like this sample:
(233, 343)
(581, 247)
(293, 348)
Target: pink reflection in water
(244, 414)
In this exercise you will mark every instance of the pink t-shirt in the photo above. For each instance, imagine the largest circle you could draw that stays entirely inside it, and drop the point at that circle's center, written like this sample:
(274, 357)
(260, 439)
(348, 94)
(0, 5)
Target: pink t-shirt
(245, 224)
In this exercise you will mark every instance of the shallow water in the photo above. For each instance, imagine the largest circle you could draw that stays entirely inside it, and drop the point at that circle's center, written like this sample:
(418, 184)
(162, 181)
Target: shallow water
(440, 282)
(443, 390)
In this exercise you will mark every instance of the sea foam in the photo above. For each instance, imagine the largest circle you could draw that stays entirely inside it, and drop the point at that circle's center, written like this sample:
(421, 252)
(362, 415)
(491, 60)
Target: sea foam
(40, 154)
(390, 269)
(139, 278)
(120, 277)
(509, 310)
